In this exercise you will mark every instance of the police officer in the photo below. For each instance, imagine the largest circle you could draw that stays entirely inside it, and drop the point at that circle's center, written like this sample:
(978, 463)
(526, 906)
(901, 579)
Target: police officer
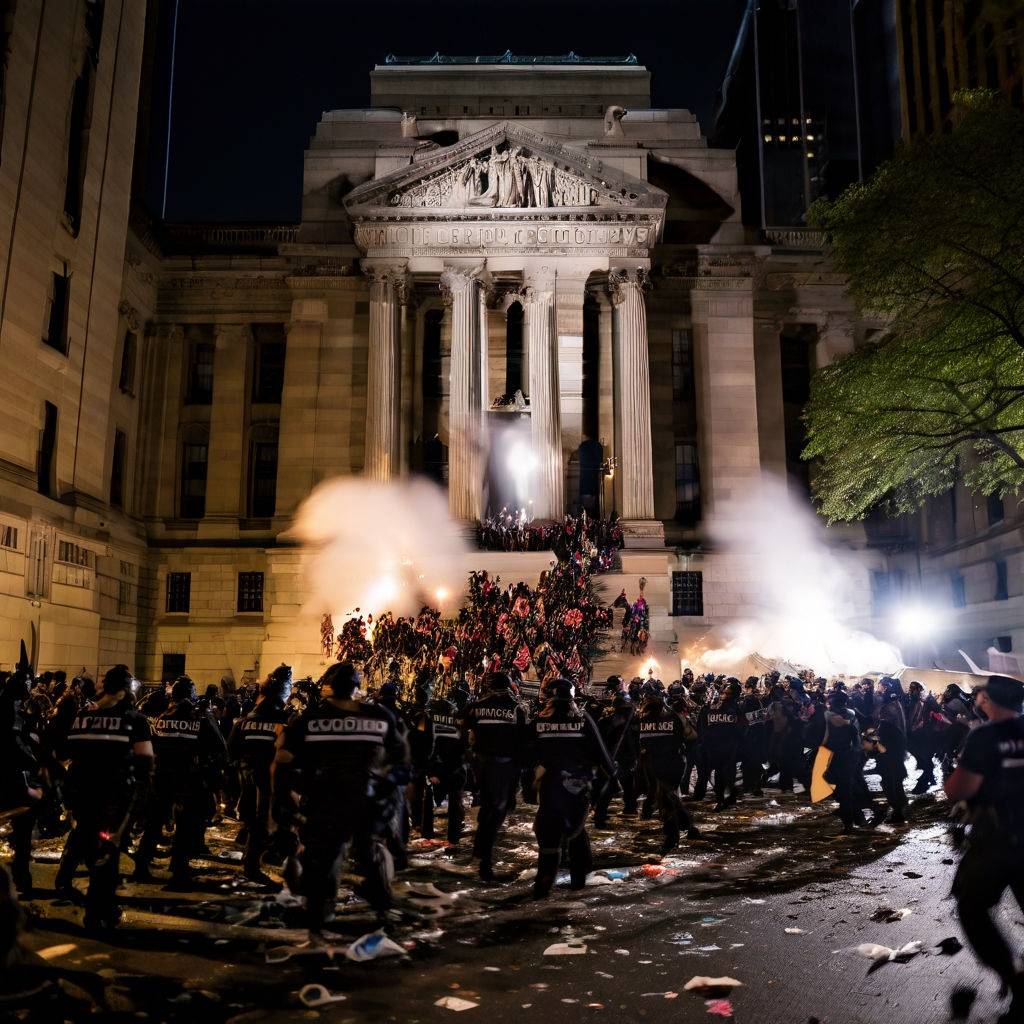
(618, 729)
(722, 728)
(421, 744)
(922, 711)
(111, 763)
(496, 731)
(445, 773)
(842, 737)
(569, 749)
(663, 737)
(755, 740)
(334, 758)
(990, 778)
(190, 753)
(891, 749)
(251, 747)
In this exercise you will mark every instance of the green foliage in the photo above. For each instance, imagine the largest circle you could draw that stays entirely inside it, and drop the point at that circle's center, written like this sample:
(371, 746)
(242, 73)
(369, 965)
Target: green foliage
(933, 245)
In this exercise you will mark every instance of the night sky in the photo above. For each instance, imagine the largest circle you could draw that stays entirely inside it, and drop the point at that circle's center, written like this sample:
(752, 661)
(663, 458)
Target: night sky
(253, 76)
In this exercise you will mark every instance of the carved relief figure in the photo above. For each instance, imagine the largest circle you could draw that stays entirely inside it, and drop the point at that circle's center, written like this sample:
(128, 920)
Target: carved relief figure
(504, 168)
(541, 173)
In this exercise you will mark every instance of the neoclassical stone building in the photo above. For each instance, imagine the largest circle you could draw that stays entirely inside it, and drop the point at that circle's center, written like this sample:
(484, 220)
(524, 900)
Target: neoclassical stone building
(493, 242)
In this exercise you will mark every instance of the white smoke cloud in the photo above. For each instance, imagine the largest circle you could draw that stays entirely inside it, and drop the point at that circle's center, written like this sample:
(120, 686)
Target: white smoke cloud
(802, 589)
(380, 547)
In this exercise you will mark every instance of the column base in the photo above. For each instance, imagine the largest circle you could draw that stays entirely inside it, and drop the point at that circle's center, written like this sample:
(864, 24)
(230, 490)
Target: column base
(643, 533)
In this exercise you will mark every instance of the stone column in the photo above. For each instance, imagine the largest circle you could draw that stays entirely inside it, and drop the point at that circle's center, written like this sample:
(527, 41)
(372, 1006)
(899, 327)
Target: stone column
(461, 287)
(383, 384)
(635, 453)
(545, 413)
(160, 405)
(771, 420)
(570, 293)
(408, 333)
(227, 454)
(835, 338)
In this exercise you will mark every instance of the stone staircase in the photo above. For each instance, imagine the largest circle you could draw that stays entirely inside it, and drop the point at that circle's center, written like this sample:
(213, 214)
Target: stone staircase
(652, 566)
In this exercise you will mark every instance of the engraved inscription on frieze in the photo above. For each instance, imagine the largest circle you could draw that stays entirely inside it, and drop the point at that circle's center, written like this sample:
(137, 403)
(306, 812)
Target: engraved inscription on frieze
(506, 178)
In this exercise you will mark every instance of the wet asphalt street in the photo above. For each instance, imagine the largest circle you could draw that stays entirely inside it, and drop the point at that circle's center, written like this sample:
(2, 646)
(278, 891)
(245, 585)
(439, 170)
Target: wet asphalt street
(721, 906)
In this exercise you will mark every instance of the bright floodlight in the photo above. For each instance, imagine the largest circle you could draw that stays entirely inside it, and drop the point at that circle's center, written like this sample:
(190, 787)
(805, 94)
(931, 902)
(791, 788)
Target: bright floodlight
(916, 622)
(522, 464)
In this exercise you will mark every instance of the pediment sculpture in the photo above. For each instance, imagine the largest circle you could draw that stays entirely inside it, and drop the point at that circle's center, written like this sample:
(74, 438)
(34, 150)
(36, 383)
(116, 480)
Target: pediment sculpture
(505, 178)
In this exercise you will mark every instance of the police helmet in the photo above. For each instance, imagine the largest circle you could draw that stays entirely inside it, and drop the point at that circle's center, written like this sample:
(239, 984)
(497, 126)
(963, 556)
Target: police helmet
(118, 679)
(278, 685)
(183, 689)
(562, 689)
(498, 681)
(342, 679)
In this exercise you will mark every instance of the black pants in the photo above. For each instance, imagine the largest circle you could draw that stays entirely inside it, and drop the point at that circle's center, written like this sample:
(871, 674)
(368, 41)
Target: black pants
(990, 865)
(624, 782)
(674, 816)
(185, 802)
(921, 748)
(722, 761)
(450, 784)
(842, 773)
(99, 816)
(791, 763)
(498, 779)
(254, 811)
(697, 759)
(892, 772)
(564, 800)
(753, 761)
(22, 827)
(333, 830)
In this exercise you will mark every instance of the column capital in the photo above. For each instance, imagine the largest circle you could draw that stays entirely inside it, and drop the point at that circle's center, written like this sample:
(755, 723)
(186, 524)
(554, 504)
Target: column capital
(537, 281)
(230, 332)
(622, 279)
(456, 278)
(390, 270)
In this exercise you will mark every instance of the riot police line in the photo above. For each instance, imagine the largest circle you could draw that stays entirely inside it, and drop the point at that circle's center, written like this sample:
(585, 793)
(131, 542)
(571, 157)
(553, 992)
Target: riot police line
(327, 774)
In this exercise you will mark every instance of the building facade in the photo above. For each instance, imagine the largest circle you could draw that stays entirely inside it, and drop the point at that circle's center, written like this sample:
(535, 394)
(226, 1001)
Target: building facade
(491, 241)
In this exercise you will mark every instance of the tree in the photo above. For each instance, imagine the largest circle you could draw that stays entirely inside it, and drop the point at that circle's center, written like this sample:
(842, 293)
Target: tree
(933, 245)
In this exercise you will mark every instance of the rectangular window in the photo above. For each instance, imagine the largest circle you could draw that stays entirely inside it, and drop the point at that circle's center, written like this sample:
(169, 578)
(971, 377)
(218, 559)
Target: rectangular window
(687, 484)
(263, 479)
(46, 482)
(179, 592)
(55, 328)
(8, 536)
(172, 667)
(268, 378)
(117, 466)
(687, 593)
(250, 591)
(74, 554)
(994, 506)
(124, 597)
(1004, 644)
(126, 378)
(959, 591)
(193, 481)
(886, 588)
(78, 147)
(128, 570)
(200, 374)
(1002, 589)
(682, 366)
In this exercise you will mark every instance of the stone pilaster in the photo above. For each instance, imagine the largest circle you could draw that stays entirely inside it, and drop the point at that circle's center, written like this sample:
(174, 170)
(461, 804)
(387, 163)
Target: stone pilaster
(382, 460)
(461, 287)
(545, 413)
(771, 421)
(227, 454)
(408, 326)
(634, 387)
(161, 411)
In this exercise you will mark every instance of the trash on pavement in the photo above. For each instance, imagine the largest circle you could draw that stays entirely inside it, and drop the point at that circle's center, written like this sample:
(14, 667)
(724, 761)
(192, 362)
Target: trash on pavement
(887, 915)
(318, 995)
(455, 1003)
(371, 947)
(711, 986)
(566, 949)
(884, 954)
(719, 1007)
(795, 931)
(52, 952)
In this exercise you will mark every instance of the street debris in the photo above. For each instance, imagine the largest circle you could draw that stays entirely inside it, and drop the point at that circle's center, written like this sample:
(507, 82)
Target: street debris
(455, 1003)
(566, 949)
(885, 954)
(371, 947)
(886, 915)
(319, 995)
(704, 986)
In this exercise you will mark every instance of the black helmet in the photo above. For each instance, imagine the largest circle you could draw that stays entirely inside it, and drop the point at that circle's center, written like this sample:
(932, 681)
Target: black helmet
(733, 689)
(278, 685)
(183, 689)
(498, 681)
(118, 679)
(342, 679)
(614, 684)
(561, 689)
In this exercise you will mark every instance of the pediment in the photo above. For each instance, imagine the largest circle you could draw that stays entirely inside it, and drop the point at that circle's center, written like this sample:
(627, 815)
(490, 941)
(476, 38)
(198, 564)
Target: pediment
(504, 167)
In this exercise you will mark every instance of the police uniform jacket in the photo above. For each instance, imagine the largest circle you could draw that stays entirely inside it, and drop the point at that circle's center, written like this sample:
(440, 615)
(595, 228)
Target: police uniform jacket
(566, 739)
(100, 743)
(662, 738)
(186, 740)
(722, 726)
(254, 735)
(449, 747)
(497, 726)
(996, 752)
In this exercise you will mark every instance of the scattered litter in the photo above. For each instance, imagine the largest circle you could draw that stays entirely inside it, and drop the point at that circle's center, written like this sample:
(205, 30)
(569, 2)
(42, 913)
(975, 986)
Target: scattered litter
(719, 1007)
(493, 970)
(371, 947)
(566, 949)
(595, 1006)
(950, 946)
(527, 875)
(596, 878)
(708, 949)
(886, 915)
(737, 945)
(616, 874)
(752, 901)
(622, 952)
(52, 952)
(427, 936)
(318, 995)
(604, 974)
(455, 1003)
(711, 986)
(913, 874)
(654, 871)
(659, 995)
(883, 954)
(710, 922)
(795, 931)
(570, 1000)
(281, 954)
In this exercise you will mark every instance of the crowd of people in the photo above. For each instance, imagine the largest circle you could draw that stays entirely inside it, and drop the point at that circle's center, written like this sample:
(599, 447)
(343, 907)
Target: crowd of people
(596, 540)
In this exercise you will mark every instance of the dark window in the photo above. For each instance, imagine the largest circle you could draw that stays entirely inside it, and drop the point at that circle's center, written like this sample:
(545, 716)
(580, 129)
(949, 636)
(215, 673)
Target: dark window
(514, 350)
(886, 588)
(682, 366)
(1002, 591)
(687, 593)
(200, 374)
(193, 481)
(126, 378)
(250, 591)
(78, 147)
(173, 666)
(268, 379)
(55, 331)
(1004, 644)
(959, 591)
(45, 479)
(994, 506)
(8, 536)
(263, 479)
(179, 592)
(94, 27)
(687, 484)
(117, 467)
(124, 597)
